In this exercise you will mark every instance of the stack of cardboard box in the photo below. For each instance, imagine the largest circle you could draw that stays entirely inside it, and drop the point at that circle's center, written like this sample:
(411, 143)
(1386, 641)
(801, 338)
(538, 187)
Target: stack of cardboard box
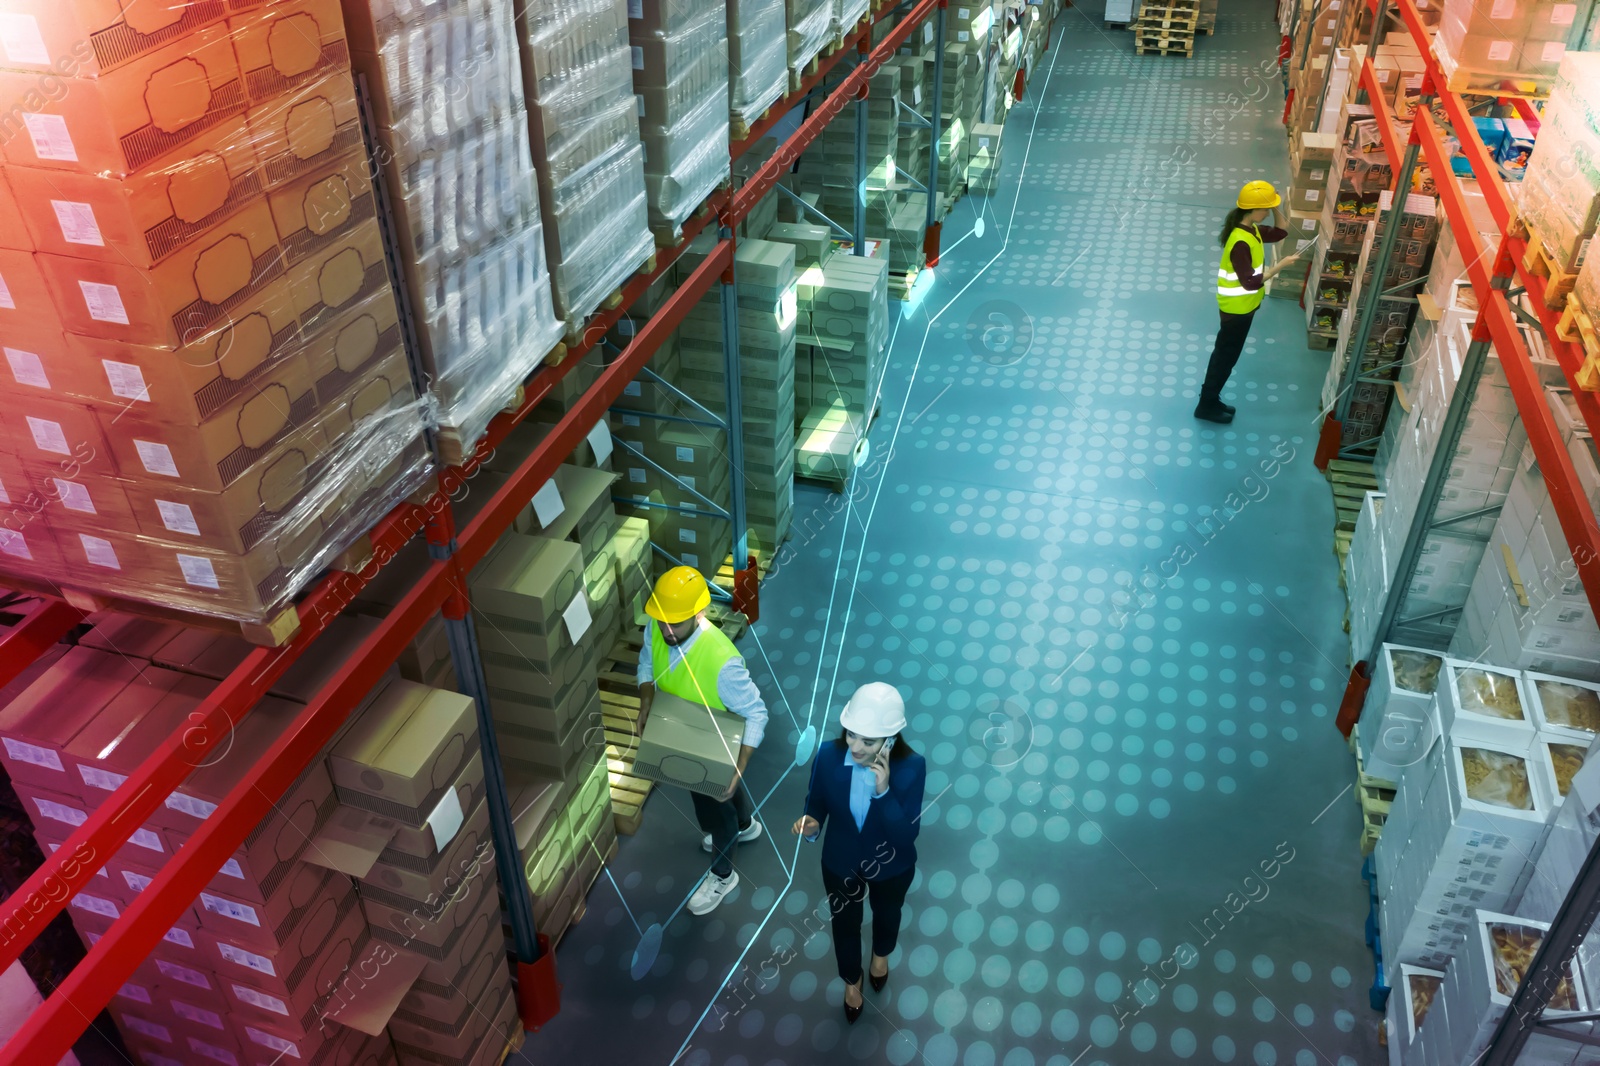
(414, 831)
(1561, 188)
(195, 306)
(984, 164)
(577, 75)
(809, 26)
(758, 59)
(445, 86)
(1523, 45)
(831, 166)
(680, 75)
(844, 322)
(566, 831)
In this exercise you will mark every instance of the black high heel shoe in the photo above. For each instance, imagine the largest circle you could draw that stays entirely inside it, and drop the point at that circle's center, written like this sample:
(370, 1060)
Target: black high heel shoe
(852, 1013)
(878, 980)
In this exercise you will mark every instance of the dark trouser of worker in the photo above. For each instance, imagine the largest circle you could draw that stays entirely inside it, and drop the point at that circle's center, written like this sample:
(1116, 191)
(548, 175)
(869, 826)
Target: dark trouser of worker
(845, 898)
(723, 819)
(1224, 354)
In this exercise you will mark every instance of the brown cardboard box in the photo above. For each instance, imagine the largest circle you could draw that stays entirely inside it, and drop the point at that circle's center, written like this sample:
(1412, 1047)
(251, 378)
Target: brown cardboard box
(49, 435)
(55, 815)
(140, 219)
(267, 924)
(306, 967)
(425, 1004)
(415, 836)
(408, 748)
(308, 128)
(428, 928)
(344, 349)
(190, 985)
(128, 728)
(453, 1037)
(287, 44)
(468, 854)
(84, 503)
(39, 724)
(186, 297)
(528, 580)
(486, 1050)
(126, 119)
(14, 233)
(27, 310)
(339, 276)
(317, 208)
(87, 38)
(28, 546)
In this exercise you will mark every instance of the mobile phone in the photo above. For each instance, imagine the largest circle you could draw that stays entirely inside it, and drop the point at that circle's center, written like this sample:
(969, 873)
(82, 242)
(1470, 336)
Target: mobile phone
(888, 745)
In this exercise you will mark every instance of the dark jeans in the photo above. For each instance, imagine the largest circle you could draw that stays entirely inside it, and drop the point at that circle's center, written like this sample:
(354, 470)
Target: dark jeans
(845, 898)
(723, 819)
(1224, 354)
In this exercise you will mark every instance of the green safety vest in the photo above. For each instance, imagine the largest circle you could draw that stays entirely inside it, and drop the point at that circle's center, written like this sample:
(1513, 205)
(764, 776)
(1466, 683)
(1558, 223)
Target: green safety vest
(694, 678)
(1232, 297)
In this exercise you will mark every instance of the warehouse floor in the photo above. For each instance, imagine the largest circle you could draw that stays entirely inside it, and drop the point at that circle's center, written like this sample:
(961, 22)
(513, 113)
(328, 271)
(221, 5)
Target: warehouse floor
(1127, 805)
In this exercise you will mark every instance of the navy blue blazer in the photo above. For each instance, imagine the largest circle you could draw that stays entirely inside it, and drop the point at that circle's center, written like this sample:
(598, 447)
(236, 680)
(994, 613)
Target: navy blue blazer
(885, 845)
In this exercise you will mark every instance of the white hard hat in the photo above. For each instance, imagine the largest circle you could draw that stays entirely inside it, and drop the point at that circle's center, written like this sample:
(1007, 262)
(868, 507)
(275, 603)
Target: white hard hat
(876, 710)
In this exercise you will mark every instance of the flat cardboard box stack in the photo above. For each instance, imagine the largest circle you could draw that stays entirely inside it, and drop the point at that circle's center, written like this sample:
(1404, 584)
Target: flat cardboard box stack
(212, 397)
(758, 58)
(765, 273)
(680, 76)
(1561, 187)
(565, 833)
(249, 971)
(809, 26)
(832, 171)
(541, 641)
(414, 831)
(578, 78)
(911, 153)
(844, 316)
(984, 164)
(446, 94)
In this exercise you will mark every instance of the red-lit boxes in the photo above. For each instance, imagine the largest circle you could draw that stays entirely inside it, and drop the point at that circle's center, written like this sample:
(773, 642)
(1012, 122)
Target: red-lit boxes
(204, 329)
(425, 863)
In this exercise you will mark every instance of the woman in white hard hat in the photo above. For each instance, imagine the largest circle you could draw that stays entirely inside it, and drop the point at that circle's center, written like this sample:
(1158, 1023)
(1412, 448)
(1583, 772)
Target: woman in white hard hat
(866, 789)
(1240, 285)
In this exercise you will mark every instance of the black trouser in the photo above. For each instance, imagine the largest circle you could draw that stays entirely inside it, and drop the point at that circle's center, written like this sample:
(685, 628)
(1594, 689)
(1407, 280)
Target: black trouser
(723, 819)
(1224, 354)
(845, 898)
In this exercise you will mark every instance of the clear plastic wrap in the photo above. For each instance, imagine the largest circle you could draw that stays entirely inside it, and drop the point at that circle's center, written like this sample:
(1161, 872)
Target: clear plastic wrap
(846, 13)
(1502, 44)
(209, 392)
(1496, 777)
(758, 57)
(446, 90)
(680, 76)
(577, 76)
(1560, 199)
(810, 24)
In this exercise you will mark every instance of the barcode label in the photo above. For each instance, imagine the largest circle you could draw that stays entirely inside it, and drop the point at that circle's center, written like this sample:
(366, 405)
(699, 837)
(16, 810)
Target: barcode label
(233, 869)
(222, 1055)
(50, 138)
(198, 571)
(33, 754)
(157, 458)
(183, 973)
(48, 435)
(144, 1028)
(178, 518)
(229, 909)
(261, 999)
(184, 804)
(60, 812)
(96, 905)
(126, 380)
(26, 368)
(95, 777)
(195, 1014)
(14, 544)
(147, 840)
(136, 882)
(259, 963)
(179, 937)
(104, 302)
(273, 1043)
(137, 993)
(5, 296)
(22, 42)
(73, 496)
(77, 222)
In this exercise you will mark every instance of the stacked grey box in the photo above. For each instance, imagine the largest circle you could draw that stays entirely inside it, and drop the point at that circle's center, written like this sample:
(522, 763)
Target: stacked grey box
(680, 75)
(577, 71)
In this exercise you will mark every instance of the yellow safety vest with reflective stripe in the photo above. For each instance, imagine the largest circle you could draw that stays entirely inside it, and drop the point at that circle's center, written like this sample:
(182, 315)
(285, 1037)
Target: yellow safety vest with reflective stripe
(694, 678)
(1232, 297)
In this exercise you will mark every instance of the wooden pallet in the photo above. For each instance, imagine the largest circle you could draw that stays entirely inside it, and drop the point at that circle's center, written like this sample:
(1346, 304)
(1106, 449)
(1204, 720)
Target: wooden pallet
(1558, 282)
(1181, 20)
(1207, 24)
(1376, 797)
(764, 561)
(669, 235)
(1164, 47)
(1350, 480)
(576, 325)
(513, 1045)
(1577, 326)
(1321, 342)
(837, 483)
(739, 129)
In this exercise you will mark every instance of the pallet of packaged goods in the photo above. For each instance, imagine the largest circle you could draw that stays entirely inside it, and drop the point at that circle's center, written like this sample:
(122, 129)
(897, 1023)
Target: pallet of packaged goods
(758, 57)
(214, 401)
(809, 28)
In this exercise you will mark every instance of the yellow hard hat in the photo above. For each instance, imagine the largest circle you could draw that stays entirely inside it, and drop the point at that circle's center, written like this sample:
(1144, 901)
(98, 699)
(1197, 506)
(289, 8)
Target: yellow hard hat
(680, 595)
(1257, 195)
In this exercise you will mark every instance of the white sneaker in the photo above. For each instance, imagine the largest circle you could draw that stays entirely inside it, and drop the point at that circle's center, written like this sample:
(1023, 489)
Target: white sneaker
(744, 837)
(709, 895)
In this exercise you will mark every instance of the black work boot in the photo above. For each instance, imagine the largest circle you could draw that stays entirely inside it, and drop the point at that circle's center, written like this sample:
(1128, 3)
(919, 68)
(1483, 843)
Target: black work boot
(1214, 412)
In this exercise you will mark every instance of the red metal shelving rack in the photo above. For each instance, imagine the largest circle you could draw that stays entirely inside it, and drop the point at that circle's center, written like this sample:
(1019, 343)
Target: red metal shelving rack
(50, 1031)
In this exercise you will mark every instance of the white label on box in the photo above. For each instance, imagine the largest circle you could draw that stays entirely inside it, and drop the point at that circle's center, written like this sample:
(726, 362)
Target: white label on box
(599, 439)
(179, 937)
(78, 225)
(137, 993)
(261, 999)
(1563, 14)
(631, 421)
(95, 777)
(48, 435)
(177, 517)
(99, 551)
(5, 296)
(638, 107)
(636, 9)
(927, 33)
(229, 909)
(577, 617)
(271, 1043)
(638, 58)
(687, 536)
(96, 905)
(195, 1014)
(1553, 51)
(198, 571)
(195, 808)
(222, 1055)
(126, 380)
(60, 812)
(691, 559)
(104, 302)
(1313, 195)
(1500, 51)
(233, 869)
(258, 963)
(963, 36)
(688, 482)
(50, 138)
(147, 840)
(144, 1028)
(5, 497)
(14, 544)
(136, 882)
(1308, 223)
(637, 475)
(26, 368)
(547, 503)
(685, 455)
(632, 388)
(157, 458)
(32, 753)
(1503, 9)
(916, 95)
(73, 496)
(22, 42)
(184, 974)
(446, 819)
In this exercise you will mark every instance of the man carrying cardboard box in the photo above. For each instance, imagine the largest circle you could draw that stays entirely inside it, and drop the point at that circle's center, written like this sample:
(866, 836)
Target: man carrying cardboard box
(685, 656)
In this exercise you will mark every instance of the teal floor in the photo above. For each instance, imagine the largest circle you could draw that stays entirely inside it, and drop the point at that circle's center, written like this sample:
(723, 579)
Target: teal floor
(1139, 846)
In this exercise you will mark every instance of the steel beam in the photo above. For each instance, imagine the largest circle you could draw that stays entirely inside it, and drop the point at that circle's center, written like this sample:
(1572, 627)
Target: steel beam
(858, 232)
(731, 368)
